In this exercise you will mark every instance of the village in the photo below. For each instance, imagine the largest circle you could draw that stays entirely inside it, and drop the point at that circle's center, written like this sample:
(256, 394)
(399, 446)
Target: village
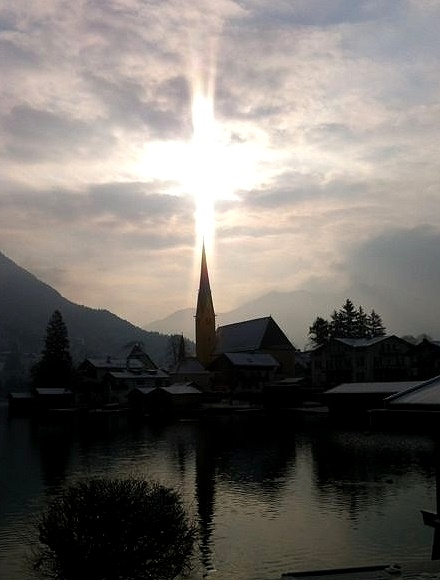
(253, 366)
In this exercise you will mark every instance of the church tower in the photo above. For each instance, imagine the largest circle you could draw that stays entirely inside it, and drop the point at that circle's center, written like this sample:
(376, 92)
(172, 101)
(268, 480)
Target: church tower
(205, 316)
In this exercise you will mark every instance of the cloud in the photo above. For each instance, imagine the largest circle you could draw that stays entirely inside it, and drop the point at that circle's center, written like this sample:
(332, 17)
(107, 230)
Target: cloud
(329, 111)
(398, 273)
(33, 135)
(401, 259)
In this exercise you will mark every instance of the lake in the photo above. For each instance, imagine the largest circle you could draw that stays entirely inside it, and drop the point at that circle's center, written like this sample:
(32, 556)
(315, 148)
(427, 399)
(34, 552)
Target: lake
(270, 494)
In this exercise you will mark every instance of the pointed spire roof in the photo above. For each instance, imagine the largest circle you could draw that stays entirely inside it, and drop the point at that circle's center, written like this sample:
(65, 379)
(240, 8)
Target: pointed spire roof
(204, 299)
(205, 316)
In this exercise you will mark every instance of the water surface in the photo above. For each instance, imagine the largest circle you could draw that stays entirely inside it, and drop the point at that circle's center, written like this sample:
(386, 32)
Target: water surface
(271, 495)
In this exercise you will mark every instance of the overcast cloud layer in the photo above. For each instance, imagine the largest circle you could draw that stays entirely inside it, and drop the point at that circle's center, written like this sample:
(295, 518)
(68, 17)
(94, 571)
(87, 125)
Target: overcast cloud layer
(331, 109)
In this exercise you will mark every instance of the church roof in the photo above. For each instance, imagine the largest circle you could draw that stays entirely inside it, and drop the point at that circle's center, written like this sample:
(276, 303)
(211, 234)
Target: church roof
(204, 298)
(244, 359)
(251, 335)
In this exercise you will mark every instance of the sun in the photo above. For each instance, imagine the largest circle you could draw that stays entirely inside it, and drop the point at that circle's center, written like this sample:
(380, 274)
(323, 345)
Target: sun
(219, 160)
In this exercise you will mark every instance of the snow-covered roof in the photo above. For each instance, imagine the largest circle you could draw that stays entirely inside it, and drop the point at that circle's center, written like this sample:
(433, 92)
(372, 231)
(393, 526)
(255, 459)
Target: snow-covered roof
(182, 389)
(189, 365)
(175, 389)
(108, 362)
(378, 387)
(244, 359)
(154, 373)
(20, 395)
(424, 394)
(362, 342)
(53, 391)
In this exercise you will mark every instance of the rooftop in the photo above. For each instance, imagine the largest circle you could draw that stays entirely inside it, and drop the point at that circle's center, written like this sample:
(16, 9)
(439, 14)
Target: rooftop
(380, 387)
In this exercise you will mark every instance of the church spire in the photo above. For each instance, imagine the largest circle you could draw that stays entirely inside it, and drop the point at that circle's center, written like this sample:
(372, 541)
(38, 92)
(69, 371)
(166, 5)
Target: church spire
(205, 316)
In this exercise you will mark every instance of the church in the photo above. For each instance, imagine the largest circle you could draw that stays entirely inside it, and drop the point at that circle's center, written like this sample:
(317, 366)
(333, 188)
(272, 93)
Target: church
(244, 356)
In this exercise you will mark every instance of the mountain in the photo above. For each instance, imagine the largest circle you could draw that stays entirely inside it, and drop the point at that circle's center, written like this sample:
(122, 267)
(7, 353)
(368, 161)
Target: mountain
(293, 311)
(296, 310)
(26, 305)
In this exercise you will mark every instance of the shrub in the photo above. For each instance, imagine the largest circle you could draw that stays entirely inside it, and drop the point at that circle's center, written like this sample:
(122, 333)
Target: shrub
(115, 529)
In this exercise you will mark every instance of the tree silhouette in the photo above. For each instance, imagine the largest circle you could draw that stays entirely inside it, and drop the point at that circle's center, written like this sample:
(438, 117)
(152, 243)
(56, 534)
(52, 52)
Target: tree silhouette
(55, 368)
(375, 325)
(113, 529)
(319, 332)
(347, 322)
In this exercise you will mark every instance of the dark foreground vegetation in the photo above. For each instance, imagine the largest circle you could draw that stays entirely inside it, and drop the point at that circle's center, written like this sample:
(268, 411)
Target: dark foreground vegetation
(115, 529)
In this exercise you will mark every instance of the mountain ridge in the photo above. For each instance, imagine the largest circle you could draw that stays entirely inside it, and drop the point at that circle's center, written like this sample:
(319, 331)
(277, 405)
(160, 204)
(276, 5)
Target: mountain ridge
(296, 310)
(280, 305)
(26, 304)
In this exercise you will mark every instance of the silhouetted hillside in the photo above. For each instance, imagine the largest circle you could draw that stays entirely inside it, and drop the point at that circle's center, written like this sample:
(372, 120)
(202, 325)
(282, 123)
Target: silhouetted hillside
(26, 304)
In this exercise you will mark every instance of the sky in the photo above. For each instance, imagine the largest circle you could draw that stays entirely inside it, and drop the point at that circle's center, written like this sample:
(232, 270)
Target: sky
(300, 138)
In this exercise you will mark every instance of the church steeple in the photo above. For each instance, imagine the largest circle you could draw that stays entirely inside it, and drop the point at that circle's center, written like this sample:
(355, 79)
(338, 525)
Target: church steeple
(205, 316)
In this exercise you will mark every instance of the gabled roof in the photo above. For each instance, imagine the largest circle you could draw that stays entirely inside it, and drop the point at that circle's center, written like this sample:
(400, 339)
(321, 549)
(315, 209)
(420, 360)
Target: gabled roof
(189, 365)
(143, 390)
(427, 342)
(251, 335)
(361, 342)
(243, 359)
(385, 388)
(423, 395)
(187, 388)
(107, 363)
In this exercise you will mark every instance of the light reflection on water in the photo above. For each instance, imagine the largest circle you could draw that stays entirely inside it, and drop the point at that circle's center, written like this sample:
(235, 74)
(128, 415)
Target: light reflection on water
(269, 496)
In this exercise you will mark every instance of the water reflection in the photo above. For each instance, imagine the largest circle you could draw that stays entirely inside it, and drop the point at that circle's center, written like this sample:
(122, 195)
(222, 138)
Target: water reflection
(205, 494)
(269, 495)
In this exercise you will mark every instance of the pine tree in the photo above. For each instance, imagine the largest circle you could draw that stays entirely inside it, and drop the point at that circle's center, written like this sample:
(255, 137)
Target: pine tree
(347, 315)
(55, 368)
(375, 325)
(337, 324)
(347, 322)
(362, 330)
(319, 331)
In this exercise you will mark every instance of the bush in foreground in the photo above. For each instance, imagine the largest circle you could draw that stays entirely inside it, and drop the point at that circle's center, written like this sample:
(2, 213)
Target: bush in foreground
(115, 529)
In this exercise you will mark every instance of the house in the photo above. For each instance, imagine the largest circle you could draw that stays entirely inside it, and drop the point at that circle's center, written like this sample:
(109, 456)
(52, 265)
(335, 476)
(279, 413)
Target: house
(418, 406)
(350, 399)
(243, 373)
(21, 402)
(108, 379)
(190, 369)
(348, 360)
(96, 368)
(53, 398)
(177, 397)
(422, 397)
(258, 336)
(425, 359)
(120, 383)
(284, 393)
(41, 399)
